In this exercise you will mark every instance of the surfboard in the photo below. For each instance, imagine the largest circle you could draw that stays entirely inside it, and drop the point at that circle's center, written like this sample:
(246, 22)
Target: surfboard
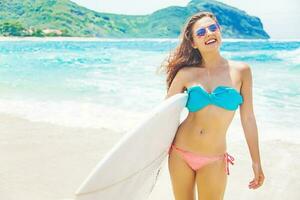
(131, 168)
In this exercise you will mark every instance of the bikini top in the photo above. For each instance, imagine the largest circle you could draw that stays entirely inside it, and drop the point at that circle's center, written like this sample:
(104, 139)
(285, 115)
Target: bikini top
(223, 96)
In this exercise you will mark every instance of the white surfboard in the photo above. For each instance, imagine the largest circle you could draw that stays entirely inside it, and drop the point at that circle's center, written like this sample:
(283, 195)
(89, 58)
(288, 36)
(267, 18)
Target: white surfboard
(130, 170)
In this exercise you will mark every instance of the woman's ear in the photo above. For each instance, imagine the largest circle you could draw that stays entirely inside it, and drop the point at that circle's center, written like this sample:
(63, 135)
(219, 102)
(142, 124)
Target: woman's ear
(193, 45)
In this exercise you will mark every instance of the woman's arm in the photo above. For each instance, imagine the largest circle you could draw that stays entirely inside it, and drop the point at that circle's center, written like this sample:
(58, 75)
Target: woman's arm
(177, 85)
(247, 115)
(249, 125)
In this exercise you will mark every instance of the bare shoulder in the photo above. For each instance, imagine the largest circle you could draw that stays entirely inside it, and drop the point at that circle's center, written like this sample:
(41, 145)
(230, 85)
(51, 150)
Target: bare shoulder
(238, 65)
(178, 83)
(188, 74)
(242, 68)
(183, 71)
(181, 76)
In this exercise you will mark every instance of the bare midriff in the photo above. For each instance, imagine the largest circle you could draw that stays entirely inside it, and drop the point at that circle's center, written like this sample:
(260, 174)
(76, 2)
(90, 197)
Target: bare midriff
(204, 131)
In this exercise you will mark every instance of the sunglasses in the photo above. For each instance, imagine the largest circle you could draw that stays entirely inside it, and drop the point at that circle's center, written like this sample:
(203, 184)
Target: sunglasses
(202, 31)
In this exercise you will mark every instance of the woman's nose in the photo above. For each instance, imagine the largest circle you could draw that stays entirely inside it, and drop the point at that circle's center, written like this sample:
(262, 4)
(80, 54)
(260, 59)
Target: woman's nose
(208, 31)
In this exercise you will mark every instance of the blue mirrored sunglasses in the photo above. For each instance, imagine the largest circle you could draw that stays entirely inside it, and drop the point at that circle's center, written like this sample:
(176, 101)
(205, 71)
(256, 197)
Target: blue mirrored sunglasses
(202, 31)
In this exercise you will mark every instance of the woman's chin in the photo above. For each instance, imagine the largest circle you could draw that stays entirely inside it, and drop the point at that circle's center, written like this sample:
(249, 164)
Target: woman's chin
(211, 47)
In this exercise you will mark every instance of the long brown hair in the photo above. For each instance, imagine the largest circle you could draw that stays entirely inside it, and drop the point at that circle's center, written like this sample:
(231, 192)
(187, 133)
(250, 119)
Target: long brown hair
(184, 55)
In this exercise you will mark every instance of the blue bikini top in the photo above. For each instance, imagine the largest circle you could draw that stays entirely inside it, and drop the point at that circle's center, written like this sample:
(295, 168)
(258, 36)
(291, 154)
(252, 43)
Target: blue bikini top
(223, 96)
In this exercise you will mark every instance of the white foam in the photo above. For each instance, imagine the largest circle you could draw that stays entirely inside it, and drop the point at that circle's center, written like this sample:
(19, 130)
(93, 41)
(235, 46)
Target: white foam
(72, 114)
(292, 56)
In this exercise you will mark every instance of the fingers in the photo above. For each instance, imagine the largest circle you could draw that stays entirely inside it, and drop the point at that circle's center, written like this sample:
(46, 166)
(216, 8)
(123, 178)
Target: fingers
(255, 183)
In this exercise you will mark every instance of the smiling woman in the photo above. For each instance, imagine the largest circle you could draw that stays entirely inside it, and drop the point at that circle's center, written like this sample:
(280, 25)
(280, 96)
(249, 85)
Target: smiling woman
(216, 87)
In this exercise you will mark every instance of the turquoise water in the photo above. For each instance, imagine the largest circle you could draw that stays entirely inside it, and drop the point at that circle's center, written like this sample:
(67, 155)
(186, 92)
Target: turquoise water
(96, 83)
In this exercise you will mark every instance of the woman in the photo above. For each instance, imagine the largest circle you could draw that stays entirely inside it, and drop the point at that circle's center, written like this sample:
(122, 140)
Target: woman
(216, 88)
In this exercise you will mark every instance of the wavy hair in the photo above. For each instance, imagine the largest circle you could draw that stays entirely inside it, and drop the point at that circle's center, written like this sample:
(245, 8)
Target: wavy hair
(184, 55)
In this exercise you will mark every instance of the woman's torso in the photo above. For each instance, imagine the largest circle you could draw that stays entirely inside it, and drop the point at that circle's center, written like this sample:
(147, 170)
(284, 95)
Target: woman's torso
(204, 131)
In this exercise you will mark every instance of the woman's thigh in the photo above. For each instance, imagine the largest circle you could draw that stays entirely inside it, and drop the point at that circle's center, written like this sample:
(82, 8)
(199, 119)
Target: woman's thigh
(182, 177)
(211, 181)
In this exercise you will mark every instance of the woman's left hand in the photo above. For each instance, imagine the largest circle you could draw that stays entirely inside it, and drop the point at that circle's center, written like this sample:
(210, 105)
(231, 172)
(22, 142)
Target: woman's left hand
(259, 176)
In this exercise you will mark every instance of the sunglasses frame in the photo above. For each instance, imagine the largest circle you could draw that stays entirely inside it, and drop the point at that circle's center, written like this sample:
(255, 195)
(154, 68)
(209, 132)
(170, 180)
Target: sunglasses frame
(204, 28)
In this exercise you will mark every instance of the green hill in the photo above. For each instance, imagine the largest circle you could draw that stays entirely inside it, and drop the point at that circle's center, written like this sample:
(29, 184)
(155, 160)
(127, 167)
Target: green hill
(66, 18)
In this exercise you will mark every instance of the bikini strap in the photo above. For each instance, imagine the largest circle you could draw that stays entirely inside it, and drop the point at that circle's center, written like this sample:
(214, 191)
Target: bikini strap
(230, 159)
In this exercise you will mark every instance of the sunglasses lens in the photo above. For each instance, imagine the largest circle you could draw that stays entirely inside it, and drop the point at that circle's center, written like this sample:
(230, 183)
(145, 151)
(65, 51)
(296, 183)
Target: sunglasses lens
(201, 32)
(213, 27)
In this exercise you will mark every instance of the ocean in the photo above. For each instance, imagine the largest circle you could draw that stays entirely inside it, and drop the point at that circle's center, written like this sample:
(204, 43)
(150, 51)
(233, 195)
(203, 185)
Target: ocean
(112, 84)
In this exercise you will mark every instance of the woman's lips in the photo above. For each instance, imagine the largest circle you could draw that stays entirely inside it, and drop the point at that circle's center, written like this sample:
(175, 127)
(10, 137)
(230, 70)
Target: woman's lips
(210, 41)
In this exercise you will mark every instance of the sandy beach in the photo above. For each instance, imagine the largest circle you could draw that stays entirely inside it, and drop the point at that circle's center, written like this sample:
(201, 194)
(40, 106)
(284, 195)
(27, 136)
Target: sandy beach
(46, 161)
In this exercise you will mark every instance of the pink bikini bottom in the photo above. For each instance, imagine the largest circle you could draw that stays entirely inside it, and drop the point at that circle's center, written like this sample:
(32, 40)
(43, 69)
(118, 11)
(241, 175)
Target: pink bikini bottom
(196, 161)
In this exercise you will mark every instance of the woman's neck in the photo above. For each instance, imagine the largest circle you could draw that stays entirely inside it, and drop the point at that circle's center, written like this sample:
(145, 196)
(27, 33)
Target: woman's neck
(212, 59)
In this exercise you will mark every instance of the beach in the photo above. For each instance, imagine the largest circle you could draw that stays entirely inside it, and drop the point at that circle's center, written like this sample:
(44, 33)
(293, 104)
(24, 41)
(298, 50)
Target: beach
(65, 103)
(46, 161)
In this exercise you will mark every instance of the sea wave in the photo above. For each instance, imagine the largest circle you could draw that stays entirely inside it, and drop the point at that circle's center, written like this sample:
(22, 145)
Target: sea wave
(72, 114)
(292, 56)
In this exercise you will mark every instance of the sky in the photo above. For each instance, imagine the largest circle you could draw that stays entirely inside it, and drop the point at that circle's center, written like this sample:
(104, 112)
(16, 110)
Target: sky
(280, 19)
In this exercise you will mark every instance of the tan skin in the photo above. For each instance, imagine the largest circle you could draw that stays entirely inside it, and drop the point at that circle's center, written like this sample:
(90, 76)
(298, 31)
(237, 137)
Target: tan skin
(209, 125)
